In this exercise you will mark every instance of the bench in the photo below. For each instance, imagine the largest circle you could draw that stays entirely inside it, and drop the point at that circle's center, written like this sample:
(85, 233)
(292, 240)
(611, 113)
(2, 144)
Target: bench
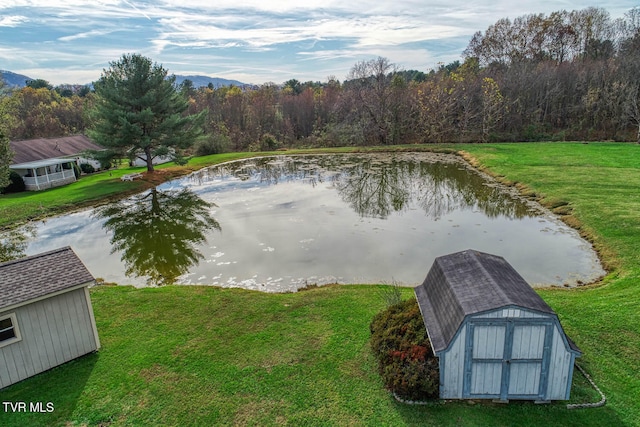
(131, 176)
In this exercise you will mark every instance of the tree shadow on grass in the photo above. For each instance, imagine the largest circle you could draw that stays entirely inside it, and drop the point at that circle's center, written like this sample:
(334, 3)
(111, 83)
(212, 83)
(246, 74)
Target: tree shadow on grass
(50, 398)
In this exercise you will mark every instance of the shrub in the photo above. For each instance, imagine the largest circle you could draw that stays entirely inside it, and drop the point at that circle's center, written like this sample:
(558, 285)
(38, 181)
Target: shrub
(269, 143)
(215, 144)
(76, 170)
(406, 362)
(87, 168)
(16, 184)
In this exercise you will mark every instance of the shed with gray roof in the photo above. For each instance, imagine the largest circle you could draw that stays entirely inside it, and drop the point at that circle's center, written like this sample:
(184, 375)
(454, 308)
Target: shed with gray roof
(46, 317)
(494, 337)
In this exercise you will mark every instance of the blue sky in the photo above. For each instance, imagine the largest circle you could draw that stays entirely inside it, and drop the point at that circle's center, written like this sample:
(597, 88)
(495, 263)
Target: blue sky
(254, 41)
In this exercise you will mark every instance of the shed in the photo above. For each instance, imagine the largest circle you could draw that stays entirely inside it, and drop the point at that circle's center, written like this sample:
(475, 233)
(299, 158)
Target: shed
(46, 317)
(494, 337)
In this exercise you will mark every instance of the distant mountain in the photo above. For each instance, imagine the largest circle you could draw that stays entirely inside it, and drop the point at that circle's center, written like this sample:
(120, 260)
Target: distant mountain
(13, 79)
(199, 81)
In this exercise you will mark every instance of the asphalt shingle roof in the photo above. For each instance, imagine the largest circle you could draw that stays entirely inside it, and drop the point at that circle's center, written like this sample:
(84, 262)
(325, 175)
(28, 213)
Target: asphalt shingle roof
(32, 150)
(35, 276)
(470, 282)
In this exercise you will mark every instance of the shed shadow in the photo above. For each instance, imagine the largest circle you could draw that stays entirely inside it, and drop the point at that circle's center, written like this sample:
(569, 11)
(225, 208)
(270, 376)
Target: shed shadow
(51, 397)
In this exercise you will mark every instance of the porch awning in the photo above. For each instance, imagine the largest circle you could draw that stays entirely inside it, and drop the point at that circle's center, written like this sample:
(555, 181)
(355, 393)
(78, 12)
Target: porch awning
(40, 163)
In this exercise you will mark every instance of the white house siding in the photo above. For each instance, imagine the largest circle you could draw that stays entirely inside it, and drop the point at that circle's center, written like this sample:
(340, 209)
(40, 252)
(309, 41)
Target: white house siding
(54, 331)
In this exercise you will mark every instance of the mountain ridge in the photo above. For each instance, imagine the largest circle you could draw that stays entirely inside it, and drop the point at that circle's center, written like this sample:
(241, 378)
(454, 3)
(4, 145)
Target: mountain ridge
(12, 79)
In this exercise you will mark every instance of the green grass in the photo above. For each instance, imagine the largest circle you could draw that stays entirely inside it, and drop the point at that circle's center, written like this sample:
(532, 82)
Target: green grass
(207, 356)
(600, 182)
(183, 356)
(89, 189)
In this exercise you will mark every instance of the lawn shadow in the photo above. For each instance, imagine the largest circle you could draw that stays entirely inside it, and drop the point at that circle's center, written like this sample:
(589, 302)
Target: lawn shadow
(50, 398)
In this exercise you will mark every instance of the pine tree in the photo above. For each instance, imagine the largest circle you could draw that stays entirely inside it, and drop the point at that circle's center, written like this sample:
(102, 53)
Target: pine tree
(139, 113)
(6, 156)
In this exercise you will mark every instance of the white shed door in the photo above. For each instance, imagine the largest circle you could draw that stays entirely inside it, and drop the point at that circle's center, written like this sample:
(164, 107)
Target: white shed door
(507, 359)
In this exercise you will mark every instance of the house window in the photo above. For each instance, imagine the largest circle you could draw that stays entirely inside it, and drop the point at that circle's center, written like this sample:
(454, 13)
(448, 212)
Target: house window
(9, 332)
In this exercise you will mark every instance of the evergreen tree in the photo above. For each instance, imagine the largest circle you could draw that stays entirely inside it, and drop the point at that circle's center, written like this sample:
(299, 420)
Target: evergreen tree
(139, 113)
(6, 153)
(6, 156)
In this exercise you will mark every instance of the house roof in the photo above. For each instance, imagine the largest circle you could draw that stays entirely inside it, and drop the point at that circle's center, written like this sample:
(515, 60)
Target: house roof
(40, 163)
(466, 283)
(39, 275)
(31, 150)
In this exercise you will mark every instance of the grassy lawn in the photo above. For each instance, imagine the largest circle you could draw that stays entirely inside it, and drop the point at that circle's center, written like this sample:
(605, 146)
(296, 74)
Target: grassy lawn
(208, 356)
(183, 356)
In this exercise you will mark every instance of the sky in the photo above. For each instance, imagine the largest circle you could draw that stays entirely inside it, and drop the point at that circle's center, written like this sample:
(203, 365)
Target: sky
(253, 41)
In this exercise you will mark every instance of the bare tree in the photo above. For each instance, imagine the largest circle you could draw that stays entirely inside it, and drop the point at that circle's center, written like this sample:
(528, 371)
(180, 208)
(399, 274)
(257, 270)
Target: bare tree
(370, 86)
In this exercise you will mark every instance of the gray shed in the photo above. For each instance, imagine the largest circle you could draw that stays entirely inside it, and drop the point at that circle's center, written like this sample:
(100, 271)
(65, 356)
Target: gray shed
(494, 337)
(46, 317)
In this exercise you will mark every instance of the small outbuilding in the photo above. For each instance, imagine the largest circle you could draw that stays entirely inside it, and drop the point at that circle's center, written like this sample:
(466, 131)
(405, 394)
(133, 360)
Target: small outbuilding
(494, 337)
(46, 317)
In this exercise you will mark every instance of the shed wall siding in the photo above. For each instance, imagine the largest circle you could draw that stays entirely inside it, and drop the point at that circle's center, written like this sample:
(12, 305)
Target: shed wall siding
(54, 331)
(452, 367)
(561, 368)
(536, 345)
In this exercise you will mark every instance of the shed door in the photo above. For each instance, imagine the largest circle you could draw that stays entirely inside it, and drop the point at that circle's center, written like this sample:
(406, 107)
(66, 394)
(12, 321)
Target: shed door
(507, 359)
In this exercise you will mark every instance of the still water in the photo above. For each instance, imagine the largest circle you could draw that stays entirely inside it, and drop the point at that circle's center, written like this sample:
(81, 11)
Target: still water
(281, 223)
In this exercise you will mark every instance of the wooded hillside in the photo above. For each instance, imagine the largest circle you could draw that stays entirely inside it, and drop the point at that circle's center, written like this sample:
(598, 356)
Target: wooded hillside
(564, 76)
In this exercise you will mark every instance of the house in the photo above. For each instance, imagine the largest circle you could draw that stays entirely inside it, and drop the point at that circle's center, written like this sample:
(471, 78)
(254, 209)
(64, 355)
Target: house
(48, 162)
(494, 337)
(46, 317)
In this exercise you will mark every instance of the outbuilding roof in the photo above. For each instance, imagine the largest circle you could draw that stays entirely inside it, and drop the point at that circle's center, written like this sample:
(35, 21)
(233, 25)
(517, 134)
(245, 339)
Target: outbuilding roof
(32, 150)
(39, 275)
(470, 282)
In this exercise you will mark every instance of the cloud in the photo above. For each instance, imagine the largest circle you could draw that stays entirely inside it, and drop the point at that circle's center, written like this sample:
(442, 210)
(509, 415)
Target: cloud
(12, 21)
(258, 40)
(84, 35)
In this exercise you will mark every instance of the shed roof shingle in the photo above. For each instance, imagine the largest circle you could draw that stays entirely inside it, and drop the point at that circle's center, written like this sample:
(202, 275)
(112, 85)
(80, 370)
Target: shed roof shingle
(35, 276)
(47, 148)
(470, 282)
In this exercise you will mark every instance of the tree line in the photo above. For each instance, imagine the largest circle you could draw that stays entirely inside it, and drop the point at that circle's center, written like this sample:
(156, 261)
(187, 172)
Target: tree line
(563, 76)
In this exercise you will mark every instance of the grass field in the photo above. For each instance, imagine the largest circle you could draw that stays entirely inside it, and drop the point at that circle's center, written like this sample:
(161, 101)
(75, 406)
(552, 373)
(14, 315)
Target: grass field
(208, 356)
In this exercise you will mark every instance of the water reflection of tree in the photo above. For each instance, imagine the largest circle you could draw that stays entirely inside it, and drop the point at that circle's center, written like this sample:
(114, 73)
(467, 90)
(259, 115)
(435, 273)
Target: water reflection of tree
(377, 185)
(375, 188)
(13, 243)
(158, 233)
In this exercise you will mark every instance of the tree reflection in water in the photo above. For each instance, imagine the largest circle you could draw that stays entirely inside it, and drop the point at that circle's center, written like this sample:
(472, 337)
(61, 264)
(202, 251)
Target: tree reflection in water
(375, 188)
(13, 243)
(158, 233)
(376, 185)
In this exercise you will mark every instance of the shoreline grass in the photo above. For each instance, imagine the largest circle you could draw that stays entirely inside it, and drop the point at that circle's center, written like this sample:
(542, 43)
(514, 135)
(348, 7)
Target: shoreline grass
(209, 356)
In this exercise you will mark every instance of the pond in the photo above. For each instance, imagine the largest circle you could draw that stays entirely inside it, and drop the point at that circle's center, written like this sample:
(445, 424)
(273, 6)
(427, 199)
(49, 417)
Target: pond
(281, 223)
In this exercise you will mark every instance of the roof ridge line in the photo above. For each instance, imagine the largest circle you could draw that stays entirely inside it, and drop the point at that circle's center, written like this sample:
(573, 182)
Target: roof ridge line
(496, 284)
(34, 256)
